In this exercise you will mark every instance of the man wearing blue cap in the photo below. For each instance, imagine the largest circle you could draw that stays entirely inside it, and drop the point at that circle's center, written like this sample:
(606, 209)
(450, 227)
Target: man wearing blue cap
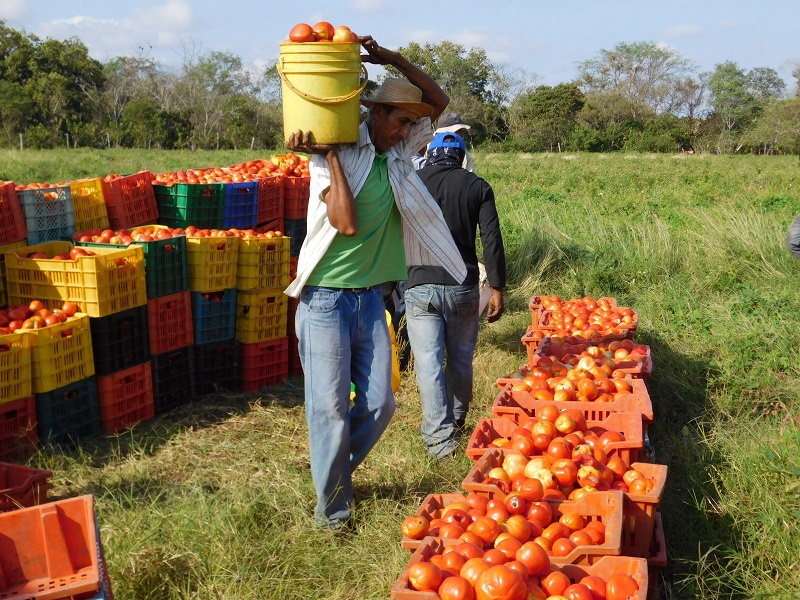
(442, 313)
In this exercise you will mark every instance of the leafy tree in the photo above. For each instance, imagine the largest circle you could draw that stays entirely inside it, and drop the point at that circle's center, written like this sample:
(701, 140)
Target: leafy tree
(777, 129)
(15, 105)
(544, 118)
(765, 84)
(732, 101)
(603, 123)
(643, 73)
(477, 88)
(126, 79)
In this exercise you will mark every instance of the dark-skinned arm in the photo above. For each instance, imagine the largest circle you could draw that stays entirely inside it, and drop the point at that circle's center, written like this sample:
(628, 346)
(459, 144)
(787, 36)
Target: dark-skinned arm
(339, 201)
(431, 92)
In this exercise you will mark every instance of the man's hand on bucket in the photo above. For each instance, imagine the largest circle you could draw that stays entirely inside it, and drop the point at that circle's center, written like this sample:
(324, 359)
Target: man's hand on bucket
(377, 54)
(304, 142)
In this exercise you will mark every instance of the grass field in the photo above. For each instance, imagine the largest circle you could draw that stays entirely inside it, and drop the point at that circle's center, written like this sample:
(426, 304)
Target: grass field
(214, 499)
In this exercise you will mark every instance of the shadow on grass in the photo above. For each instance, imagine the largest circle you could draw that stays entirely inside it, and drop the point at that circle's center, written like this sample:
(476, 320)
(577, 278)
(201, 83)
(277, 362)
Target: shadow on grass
(678, 390)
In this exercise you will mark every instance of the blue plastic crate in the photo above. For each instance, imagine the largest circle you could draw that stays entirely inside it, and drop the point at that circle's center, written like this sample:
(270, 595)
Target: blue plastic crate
(214, 321)
(48, 213)
(241, 205)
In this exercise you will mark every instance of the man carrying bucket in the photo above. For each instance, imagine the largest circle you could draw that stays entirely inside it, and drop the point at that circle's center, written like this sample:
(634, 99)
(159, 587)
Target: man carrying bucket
(369, 217)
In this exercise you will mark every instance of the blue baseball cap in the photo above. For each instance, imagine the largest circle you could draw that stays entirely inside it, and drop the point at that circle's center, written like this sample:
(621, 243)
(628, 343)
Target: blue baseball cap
(448, 139)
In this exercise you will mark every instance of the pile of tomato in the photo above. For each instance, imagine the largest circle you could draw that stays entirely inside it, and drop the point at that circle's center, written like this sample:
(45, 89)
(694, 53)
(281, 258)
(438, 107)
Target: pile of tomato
(72, 254)
(322, 32)
(150, 233)
(503, 544)
(33, 316)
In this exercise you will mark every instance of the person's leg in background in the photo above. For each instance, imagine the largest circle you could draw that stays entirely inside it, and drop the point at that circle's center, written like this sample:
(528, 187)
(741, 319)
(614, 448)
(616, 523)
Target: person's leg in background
(426, 331)
(461, 336)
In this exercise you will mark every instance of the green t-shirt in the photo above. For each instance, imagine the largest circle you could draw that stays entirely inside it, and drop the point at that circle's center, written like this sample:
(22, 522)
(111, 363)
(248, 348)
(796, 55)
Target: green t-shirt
(375, 254)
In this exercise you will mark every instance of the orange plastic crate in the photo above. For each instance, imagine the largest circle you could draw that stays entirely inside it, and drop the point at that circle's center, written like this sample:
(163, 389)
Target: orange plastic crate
(295, 197)
(640, 511)
(170, 319)
(636, 369)
(21, 486)
(110, 281)
(604, 567)
(518, 405)
(126, 397)
(12, 220)
(628, 424)
(15, 367)
(60, 354)
(212, 263)
(50, 551)
(270, 199)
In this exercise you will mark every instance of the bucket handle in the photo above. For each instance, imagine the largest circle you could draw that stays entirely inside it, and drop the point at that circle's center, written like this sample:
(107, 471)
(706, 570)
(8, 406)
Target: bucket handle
(335, 99)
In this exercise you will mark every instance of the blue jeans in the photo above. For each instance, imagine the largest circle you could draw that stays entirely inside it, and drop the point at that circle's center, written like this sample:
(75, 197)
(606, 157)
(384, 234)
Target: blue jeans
(343, 337)
(443, 319)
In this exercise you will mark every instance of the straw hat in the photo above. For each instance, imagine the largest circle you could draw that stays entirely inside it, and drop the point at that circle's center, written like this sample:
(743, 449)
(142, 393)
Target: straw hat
(401, 93)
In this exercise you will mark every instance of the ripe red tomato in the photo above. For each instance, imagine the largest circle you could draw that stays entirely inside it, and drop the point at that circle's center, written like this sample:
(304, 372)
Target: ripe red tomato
(534, 557)
(620, 586)
(424, 575)
(414, 527)
(70, 308)
(501, 582)
(456, 588)
(302, 32)
(596, 585)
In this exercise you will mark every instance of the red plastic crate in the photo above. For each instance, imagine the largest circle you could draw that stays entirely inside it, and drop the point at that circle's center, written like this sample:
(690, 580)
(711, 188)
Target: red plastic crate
(517, 405)
(295, 366)
(126, 397)
(270, 199)
(18, 433)
(50, 551)
(295, 197)
(130, 200)
(272, 225)
(263, 363)
(21, 486)
(12, 221)
(170, 319)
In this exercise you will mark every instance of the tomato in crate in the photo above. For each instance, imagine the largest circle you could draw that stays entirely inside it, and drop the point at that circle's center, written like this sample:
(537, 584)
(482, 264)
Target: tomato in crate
(88, 204)
(120, 340)
(212, 262)
(68, 414)
(60, 353)
(214, 316)
(170, 320)
(263, 363)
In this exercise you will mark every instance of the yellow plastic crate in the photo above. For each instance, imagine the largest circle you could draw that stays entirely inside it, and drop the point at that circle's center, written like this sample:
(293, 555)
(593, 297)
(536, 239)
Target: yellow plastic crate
(263, 263)
(60, 354)
(212, 263)
(109, 282)
(3, 250)
(15, 367)
(261, 315)
(88, 204)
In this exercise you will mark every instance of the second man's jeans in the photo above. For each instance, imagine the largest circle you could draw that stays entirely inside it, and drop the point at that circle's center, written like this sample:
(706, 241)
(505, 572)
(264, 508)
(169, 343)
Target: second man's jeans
(443, 330)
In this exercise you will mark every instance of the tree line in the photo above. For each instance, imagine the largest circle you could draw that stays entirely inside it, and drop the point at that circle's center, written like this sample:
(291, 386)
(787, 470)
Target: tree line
(634, 97)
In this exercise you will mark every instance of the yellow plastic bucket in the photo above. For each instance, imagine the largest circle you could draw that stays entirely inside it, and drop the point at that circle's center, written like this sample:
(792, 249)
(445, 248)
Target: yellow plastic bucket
(320, 87)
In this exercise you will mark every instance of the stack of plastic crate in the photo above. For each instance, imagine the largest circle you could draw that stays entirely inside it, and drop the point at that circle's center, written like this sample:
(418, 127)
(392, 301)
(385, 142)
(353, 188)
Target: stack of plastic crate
(261, 312)
(18, 435)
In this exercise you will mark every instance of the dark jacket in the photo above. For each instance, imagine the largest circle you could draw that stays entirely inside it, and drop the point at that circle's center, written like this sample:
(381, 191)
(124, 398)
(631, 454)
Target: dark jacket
(467, 202)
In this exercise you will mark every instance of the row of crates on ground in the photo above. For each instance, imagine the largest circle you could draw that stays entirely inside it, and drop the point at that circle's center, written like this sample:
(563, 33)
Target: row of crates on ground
(42, 214)
(52, 550)
(634, 541)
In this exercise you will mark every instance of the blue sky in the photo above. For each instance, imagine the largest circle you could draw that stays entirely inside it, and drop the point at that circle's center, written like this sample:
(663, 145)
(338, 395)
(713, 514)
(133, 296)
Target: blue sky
(545, 39)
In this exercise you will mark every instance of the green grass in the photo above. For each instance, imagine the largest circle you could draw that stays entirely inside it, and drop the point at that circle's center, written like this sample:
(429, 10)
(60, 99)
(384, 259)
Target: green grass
(214, 500)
